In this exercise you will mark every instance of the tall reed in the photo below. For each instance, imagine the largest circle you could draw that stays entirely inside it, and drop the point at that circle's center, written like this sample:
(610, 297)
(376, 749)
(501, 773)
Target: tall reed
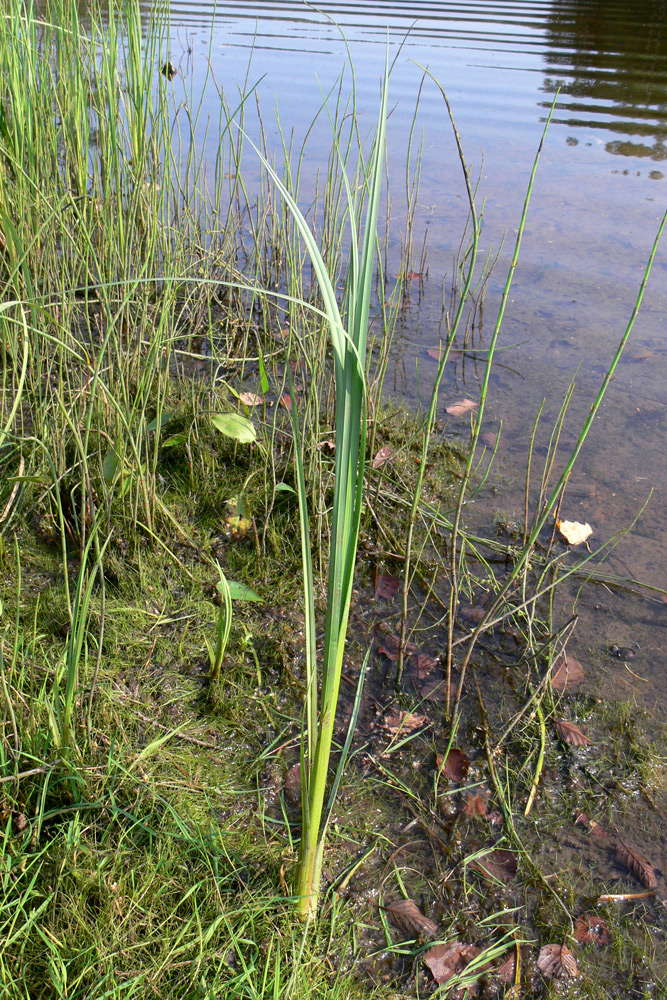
(349, 344)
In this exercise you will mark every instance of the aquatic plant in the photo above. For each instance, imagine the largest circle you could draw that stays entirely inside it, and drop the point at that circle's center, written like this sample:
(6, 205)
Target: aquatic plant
(349, 342)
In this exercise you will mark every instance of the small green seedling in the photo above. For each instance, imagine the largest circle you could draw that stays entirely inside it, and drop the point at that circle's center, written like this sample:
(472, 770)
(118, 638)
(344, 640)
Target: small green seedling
(228, 591)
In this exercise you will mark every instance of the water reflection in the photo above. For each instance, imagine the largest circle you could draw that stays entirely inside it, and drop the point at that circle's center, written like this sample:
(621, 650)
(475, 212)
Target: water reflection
(609, 60)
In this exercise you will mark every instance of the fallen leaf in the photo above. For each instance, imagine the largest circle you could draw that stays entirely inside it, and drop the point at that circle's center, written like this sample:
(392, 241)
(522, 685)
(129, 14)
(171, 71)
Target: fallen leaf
(293, 785)
(444, 960)
(382, 456)
(455, 765)
(498, 864)
(250, 399)
(404, 722)
(506, 972)
(474, 805)
(387, 587)
(436, 691)
(436, 353)
(20, 822)
(489, 439)
(470, 614)
(589, 929)
(566, 673)
(569, 733)
(424, 664)
(556, 961)
(406, 915)
(574, 532)
(637, 864)
(329, 446)
(413, 275)
(390, 644)
(235, 426)
(286, 401)
(460, 408)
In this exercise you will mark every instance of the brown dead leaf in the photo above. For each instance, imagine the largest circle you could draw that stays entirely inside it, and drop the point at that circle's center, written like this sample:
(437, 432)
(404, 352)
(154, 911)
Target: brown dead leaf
(574, 532)
(471, 614)
(423, 664)
(436, 691)
(382, 456)
(506, 972)
(406, 915)
(444, 960)
(589, 929)
(387, 587)
(286, 401)
(328, 446)
(250, 399)
(598, 831)
(436, 353)
(556, 961)
(489, 439)
(455, 765)
(637, 864)
(20, 822)
(569, 733)
(390, 644)
(398, 721)
(460, 408)
(566, 673)
(498, 864)
(474, 805)
(591, 824)
(293, 785)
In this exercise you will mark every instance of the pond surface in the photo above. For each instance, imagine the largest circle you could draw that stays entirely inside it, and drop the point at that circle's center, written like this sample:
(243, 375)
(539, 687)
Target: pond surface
(599, 196)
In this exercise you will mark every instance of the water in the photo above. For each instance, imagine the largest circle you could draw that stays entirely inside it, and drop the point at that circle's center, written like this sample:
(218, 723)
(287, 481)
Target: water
(600, 193)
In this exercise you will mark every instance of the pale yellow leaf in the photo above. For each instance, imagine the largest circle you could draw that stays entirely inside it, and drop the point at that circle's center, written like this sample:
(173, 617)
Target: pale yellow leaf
(574, 532)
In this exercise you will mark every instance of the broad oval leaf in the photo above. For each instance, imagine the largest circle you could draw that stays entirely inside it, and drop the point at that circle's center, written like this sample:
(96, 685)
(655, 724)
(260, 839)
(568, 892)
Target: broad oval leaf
(566, 673)
(556, 961)
(110, 465)
(569, 733)
(239, 592)
(235, 426)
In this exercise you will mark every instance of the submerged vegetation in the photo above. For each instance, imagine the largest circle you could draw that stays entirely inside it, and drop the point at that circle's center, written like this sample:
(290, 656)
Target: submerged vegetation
(203, 496)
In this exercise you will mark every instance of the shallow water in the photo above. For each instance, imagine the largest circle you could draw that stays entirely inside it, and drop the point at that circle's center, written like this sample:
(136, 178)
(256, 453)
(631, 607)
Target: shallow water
(599, 195)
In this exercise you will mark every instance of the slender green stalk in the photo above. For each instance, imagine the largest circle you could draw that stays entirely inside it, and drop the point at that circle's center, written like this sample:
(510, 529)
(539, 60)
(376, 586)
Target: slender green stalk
(553, 499)
(349, 354)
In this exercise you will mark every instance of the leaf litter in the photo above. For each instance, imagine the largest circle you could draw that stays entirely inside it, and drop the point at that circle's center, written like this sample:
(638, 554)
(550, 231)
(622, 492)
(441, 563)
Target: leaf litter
(408, 918)
(455, 765)
(566, 673)
(590, 929)
(461, 407)
(556, 961)
(498, 864)
(445, 960)
(637, 864)
(568, 732)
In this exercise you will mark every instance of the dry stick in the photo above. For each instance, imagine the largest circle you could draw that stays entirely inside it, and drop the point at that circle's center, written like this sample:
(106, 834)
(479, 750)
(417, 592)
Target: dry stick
(31, 772)
(430, 420)
(551, 503)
